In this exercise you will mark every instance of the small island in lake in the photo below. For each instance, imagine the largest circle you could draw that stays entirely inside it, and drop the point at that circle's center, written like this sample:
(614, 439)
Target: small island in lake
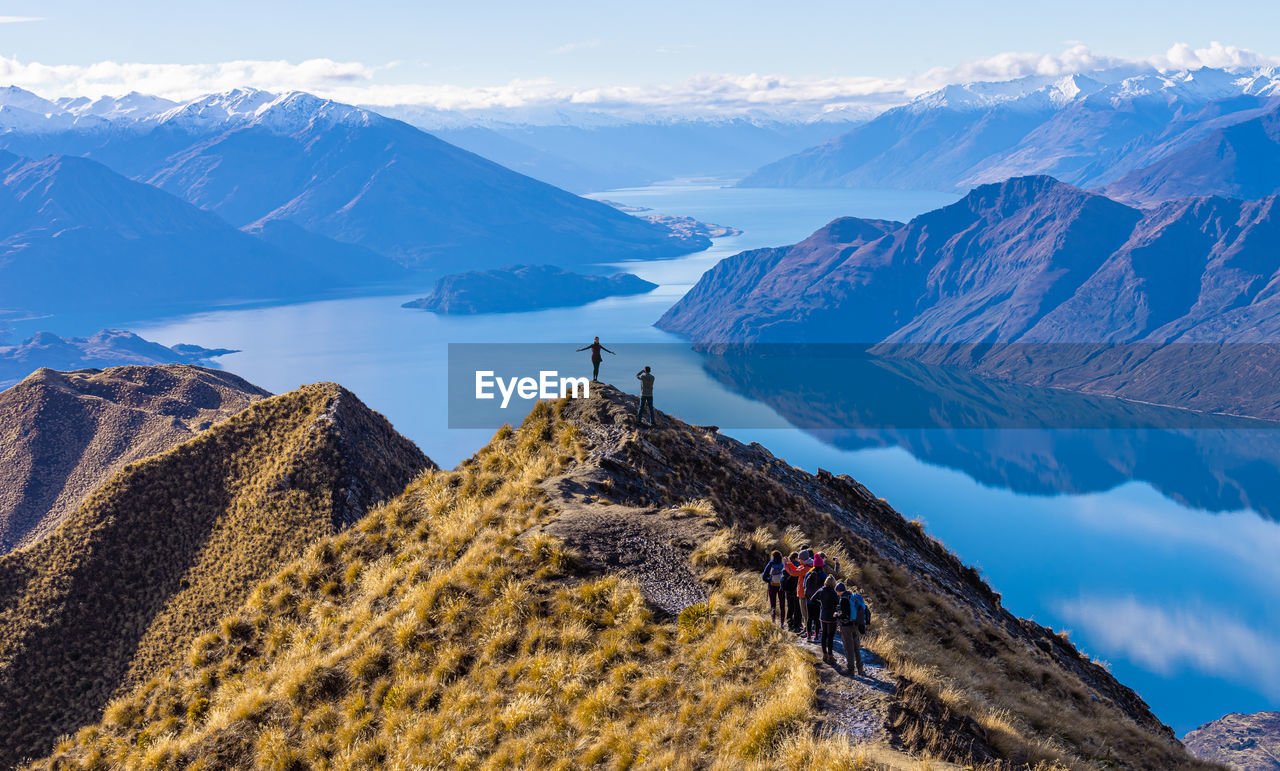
(524, 288)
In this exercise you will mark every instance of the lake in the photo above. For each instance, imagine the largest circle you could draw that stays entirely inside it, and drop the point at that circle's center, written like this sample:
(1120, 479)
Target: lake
(1159, 550)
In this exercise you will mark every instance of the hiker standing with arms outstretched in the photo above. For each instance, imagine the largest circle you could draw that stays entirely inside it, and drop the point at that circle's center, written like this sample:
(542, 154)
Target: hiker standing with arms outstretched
(646, 396)
(853, 614)
(596, 358)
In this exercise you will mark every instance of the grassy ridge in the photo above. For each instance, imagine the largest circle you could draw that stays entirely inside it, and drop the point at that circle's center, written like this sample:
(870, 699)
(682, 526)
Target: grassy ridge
(442, 632)
(171, 543)
(448, 628)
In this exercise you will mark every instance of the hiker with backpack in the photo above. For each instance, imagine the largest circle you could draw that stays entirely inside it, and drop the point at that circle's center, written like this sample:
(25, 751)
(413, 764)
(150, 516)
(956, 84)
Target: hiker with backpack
(827, 600)
(800, 568)
(853, 615)
(773, 575)
(813, 582)
(789, 596)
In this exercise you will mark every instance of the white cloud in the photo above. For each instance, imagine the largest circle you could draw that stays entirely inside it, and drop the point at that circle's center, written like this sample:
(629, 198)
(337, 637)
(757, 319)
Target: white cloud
(180, 81)
(712, 93)
(18, 19)
(1183, 57)
(1188, 636)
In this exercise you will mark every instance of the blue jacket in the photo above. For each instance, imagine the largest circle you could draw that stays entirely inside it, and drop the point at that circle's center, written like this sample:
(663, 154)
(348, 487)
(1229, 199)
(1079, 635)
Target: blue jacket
(767, 574)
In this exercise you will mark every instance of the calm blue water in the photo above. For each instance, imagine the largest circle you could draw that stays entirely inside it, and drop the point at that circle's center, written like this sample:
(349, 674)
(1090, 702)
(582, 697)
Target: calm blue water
(1148, 546)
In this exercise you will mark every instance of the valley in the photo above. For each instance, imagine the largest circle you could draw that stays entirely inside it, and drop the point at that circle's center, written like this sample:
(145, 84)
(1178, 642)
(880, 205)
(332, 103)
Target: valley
(998, 341)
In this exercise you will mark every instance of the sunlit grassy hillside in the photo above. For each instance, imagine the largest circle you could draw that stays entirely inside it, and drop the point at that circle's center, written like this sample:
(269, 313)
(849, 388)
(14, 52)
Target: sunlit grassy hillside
(472, 622)
(158, 554)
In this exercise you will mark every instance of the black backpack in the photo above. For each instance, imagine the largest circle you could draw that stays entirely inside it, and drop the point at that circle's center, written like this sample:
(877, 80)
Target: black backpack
(812, 582)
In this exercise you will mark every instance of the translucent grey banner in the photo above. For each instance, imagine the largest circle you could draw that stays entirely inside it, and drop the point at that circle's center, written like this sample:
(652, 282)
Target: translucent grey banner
(850, 386)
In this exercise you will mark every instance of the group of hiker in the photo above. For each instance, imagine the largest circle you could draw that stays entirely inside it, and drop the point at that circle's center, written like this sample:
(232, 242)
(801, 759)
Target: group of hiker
(805, 597)
(645, 376)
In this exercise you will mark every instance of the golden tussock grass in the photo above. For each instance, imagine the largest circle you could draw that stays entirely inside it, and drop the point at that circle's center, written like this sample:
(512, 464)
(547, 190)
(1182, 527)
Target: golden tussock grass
(440, 632)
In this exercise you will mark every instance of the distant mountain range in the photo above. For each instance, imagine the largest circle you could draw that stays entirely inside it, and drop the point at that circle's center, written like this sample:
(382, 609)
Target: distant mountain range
(1089, 130)
(292, 169)
(586, 158)
(62, 435)
(122, 587)
(1176, 305)
(524, 288)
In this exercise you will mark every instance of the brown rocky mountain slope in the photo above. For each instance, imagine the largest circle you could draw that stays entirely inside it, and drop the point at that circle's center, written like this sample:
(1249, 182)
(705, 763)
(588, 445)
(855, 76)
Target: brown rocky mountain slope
(583, 593)
(64, 434)
(1244, 742)
(117, 592)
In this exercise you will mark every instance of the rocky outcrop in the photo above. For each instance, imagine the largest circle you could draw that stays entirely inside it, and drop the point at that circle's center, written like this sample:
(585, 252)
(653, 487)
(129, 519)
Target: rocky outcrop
(1241, 742)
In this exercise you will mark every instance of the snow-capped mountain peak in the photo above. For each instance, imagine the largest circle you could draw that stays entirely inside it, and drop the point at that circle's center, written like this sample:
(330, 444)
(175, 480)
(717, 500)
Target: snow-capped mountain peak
(279, 113)
(236, 106)
(1122, 85)
(12, 96)
(131, 106)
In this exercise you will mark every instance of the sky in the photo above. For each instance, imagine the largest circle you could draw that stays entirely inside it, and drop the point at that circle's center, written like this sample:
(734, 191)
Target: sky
(486, 53)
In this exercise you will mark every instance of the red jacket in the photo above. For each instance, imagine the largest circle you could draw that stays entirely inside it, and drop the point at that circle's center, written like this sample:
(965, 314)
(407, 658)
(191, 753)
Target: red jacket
(799, 572)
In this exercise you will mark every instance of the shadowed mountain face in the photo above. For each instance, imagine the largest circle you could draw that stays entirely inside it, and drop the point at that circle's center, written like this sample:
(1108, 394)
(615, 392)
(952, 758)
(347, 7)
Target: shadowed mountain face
(1034, 281)
(1239, 161)
(357, 177)
(524, 288)
(131, 247)
(64, 434)
(1241, 742)
(120, 589)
